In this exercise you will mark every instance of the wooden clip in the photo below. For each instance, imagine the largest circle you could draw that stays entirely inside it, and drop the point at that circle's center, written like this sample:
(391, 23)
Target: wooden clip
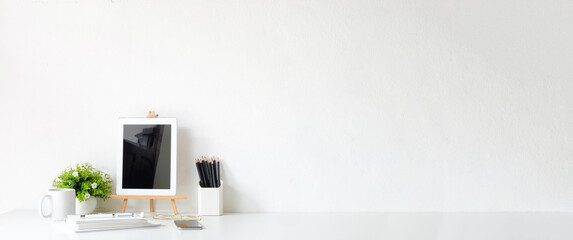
(152, 114)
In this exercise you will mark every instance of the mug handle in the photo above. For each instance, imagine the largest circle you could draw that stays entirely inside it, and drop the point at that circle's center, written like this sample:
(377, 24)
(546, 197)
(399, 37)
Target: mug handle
(42, 204)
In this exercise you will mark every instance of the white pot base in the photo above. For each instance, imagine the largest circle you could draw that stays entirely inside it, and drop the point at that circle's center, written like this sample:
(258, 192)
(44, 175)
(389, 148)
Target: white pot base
(86, 207)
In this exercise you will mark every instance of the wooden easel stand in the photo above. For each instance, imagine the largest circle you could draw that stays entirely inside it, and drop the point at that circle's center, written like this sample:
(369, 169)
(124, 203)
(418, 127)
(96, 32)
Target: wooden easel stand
(151, 114)
(151, 198)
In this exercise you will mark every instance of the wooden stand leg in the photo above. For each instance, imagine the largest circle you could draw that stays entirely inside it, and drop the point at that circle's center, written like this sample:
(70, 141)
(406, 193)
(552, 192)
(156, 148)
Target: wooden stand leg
(174, 206)
(151, 200)
(124, 205)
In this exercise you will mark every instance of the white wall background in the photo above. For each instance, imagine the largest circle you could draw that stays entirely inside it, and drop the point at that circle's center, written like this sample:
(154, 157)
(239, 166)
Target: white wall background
(311, 105)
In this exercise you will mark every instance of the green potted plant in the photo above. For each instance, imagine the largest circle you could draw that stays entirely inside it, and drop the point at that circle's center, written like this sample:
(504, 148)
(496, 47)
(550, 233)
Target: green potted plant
(88, 182)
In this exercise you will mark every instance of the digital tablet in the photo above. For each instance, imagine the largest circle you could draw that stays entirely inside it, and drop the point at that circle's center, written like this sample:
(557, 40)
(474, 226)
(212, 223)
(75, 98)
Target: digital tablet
(147, 158)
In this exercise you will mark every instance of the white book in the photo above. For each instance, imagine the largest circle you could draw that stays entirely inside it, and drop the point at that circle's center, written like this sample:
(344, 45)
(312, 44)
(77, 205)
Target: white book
(78, 223)
(104, 217)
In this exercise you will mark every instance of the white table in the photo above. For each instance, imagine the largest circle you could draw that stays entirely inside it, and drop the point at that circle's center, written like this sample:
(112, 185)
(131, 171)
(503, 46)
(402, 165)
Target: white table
(28, 225)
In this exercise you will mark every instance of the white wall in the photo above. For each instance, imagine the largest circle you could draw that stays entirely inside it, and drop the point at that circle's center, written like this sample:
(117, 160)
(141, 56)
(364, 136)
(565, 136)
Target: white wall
(311, 105)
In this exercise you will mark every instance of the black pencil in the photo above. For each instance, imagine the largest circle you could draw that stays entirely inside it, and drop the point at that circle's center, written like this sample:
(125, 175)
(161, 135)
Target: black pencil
(200, 172)
(205, 173)
(209, 175)
(215, 171)
(212, 169)
(206, 169)
(201, 178)
(218, 173)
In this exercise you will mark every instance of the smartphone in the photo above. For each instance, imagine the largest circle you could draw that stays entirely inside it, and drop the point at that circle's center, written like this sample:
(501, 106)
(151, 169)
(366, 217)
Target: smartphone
(188, 224)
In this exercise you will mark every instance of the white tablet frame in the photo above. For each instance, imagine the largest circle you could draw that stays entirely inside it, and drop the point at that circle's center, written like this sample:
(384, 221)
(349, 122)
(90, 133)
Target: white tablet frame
(173, 180)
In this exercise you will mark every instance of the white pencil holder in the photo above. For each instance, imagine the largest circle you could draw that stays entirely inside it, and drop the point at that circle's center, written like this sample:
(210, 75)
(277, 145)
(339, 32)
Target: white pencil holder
(211, 201)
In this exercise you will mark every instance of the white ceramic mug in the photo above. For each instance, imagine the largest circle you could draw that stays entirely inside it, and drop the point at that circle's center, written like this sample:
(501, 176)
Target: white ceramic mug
(63, 203)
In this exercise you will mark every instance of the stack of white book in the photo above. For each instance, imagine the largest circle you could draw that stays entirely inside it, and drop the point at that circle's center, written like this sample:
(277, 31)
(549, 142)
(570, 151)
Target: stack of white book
(98, 222)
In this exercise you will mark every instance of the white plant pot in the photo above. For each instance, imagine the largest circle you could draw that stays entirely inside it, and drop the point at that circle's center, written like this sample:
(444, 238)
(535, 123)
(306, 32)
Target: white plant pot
(86, 207)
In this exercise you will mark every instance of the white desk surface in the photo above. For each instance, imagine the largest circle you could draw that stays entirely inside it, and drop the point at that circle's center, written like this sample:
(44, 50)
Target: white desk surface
(28, 225)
